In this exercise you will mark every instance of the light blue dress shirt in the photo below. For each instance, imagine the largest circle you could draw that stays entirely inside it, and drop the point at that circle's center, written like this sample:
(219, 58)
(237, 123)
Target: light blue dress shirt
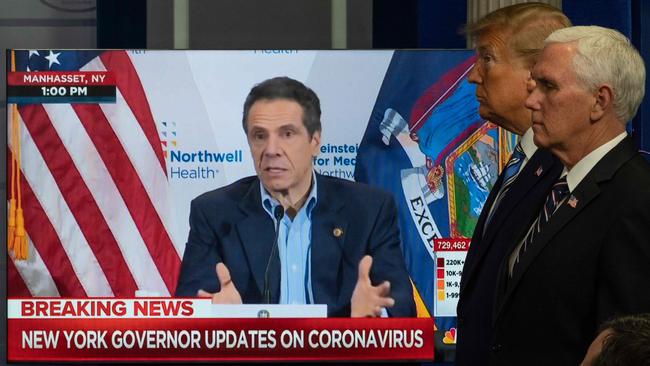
(294, 248)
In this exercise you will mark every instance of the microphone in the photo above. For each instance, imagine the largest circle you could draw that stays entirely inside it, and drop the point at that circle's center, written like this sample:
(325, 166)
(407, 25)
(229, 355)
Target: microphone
(278, 213)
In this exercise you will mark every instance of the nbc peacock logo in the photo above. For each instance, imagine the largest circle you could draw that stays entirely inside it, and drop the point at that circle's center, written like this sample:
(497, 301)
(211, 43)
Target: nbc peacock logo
(450, 336)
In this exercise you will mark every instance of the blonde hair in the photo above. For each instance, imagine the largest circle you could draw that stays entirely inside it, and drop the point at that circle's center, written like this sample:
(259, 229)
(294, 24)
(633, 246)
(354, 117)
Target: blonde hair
(524, 25)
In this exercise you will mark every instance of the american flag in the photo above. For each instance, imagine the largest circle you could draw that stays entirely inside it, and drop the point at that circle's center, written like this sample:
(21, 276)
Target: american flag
(94, 189)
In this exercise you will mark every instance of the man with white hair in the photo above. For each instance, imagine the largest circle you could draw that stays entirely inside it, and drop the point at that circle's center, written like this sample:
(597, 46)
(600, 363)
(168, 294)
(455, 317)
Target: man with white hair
(586, 256)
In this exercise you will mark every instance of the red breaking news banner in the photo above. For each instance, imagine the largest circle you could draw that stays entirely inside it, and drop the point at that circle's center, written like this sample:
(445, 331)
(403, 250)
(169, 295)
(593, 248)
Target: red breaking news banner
(125, 337)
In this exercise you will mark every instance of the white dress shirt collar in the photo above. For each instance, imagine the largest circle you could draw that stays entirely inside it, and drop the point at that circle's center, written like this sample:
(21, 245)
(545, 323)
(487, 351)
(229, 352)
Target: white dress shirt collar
(527, 143)
(584, 166)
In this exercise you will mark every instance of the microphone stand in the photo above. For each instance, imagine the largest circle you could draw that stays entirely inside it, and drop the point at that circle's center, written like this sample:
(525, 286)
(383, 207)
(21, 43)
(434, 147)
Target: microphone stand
(278, 213)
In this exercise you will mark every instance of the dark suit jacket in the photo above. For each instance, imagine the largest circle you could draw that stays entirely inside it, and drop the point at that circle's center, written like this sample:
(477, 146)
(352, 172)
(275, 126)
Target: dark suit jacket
(488, 248)
(229, 225)
(589, 263)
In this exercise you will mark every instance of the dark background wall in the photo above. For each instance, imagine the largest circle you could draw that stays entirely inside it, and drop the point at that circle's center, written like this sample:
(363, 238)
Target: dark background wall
(257, 24)
(436, 24)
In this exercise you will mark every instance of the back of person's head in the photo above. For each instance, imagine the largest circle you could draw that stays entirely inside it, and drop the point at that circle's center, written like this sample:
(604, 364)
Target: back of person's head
(628, 342)
(605, 56)
(283, 87)
(524, 26)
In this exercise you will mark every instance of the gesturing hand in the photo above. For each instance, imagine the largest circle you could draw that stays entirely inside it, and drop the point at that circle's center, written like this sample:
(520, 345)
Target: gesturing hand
(368, 300)
(228, 293)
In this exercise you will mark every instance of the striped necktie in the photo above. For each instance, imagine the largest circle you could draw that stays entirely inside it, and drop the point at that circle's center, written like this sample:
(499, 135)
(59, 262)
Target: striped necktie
(553, 201)
(510, 173)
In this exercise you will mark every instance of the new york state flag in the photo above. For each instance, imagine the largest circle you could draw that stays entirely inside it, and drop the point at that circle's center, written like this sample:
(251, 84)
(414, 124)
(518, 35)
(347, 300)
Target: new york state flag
(426, 143)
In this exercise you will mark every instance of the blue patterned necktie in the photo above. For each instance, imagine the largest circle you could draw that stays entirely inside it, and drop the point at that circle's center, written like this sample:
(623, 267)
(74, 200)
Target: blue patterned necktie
(510, 173)
(555, 198)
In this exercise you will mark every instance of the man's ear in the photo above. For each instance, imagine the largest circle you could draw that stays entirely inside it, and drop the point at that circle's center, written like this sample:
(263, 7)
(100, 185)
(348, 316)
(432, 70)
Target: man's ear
(315, 142)
(604, 102)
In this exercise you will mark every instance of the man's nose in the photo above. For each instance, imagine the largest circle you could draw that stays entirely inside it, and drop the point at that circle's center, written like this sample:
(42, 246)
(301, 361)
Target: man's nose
(474, 77)
(530, 84)
(532, 100)
(273, 146)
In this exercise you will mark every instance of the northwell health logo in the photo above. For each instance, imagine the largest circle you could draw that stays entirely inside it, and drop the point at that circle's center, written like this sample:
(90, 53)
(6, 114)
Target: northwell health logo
(194, 164)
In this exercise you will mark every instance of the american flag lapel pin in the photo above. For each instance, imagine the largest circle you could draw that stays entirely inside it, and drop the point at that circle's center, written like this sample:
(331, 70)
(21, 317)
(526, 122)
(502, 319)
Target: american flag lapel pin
(539, 171)
(573, 201)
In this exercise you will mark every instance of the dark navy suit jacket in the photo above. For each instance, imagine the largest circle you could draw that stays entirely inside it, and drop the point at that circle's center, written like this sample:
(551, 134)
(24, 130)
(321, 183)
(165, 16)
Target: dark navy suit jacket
(590, 262)
(229, 225)
(490, 248)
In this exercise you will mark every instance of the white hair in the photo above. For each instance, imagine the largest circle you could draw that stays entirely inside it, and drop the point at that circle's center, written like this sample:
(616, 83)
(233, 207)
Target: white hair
(605, 56)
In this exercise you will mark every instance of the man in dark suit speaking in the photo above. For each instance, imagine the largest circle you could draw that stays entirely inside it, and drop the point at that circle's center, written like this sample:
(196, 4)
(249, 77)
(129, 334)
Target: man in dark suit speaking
(586, 256)
(337, 241)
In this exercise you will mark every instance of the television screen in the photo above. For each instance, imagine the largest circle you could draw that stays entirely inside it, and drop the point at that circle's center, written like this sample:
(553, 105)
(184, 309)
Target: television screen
(108, 148)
